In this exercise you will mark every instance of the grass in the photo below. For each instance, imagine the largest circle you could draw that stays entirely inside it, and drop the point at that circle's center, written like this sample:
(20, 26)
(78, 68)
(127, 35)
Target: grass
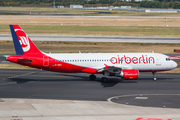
(14, 66)
(27, 8)
(97, 30)
(176, 70)
(7, 47)
(66, 11)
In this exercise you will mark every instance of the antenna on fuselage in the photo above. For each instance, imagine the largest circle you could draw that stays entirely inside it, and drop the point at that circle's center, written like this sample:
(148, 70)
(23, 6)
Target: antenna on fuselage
(79, 51)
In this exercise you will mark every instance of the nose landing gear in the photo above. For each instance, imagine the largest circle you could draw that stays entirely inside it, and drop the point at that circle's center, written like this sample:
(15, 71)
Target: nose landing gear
(154, 78)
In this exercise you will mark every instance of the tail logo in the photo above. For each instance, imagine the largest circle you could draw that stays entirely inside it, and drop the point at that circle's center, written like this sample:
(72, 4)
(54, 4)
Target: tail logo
(23, 39)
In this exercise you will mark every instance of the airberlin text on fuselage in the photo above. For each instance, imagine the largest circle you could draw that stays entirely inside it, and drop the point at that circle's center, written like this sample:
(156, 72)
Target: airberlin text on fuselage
(135, 60)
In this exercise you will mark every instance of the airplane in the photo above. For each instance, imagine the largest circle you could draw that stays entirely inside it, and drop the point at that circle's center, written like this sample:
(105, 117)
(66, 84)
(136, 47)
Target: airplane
(123, 65)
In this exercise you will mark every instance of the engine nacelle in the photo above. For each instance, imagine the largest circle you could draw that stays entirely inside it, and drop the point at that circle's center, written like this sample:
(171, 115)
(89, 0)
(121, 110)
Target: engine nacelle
(131, 74)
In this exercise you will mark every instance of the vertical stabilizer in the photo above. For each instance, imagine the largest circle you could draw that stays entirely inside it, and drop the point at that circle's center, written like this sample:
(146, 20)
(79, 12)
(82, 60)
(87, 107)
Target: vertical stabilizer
(22, 43)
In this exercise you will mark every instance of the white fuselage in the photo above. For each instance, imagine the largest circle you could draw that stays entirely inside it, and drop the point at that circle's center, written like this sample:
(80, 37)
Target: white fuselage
(139, 61)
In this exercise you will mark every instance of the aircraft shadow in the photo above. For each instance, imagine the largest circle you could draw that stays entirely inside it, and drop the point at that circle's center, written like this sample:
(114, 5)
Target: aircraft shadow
(112, 81)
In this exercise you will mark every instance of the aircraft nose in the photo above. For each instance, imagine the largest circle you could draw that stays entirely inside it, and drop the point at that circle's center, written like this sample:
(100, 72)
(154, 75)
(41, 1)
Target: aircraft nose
(174, 64)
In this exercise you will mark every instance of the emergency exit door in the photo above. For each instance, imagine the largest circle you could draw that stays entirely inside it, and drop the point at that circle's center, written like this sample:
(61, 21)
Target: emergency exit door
(45, 61)
(158, 60)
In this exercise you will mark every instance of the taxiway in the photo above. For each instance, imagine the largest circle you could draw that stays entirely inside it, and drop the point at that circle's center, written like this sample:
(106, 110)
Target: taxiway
(37, 94)
(97, 38)
(39, 84)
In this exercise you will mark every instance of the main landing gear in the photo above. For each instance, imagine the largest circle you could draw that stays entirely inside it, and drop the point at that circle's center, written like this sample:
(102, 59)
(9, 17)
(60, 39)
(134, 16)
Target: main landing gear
(154, 78)
(92, 77)
(103, 79)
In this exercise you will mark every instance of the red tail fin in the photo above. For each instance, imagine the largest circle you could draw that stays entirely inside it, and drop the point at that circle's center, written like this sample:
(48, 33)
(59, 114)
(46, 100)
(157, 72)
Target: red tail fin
(21, 39)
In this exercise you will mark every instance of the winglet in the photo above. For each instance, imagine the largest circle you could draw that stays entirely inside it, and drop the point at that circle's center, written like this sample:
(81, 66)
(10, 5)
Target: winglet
(106, 66)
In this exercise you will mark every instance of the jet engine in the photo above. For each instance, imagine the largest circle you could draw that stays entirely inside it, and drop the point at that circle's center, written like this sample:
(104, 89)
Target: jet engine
(131, 74)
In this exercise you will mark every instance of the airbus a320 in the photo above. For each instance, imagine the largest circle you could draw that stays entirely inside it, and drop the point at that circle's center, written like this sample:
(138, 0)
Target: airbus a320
(124, 65)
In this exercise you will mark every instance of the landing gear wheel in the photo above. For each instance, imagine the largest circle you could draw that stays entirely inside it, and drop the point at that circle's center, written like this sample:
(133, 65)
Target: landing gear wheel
(104, 79)
(92, 77)
(154, 78)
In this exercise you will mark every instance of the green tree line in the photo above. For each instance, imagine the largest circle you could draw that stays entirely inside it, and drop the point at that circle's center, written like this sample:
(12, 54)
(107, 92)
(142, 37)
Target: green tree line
(63, 2)
(66, 3)
(162, 4)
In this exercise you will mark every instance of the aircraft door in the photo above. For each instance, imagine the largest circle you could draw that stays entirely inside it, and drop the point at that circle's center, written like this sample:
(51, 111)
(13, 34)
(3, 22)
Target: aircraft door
(158, 60)
(45, 61)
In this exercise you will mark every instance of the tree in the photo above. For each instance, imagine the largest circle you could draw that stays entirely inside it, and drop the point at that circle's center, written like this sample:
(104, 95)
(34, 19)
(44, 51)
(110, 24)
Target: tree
(164, 5)
(170, 4)
(175, 5)
(154, 5)
(133, 1)
(143, 4)
(115, 4)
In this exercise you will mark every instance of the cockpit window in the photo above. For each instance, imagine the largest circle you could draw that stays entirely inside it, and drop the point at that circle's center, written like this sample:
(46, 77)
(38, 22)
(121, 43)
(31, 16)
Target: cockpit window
(168, 59)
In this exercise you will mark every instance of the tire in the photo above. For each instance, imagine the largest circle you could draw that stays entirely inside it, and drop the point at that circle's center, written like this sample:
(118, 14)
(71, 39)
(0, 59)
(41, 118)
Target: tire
(92, 77)
(104, 80)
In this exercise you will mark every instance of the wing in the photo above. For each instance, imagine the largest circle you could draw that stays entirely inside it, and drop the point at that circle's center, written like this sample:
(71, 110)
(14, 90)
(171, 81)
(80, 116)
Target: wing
(110, 69)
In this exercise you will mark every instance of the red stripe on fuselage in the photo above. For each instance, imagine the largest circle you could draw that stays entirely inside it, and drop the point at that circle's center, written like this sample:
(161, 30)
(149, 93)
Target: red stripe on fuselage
(37, 62)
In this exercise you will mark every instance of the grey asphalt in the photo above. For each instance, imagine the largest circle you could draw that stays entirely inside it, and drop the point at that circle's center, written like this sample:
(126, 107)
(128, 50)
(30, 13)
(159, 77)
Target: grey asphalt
(37, 84)
(98, 38)
(150, 100)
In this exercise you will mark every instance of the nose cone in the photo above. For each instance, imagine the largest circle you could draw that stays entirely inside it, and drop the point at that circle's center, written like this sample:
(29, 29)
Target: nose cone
(174, 64)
